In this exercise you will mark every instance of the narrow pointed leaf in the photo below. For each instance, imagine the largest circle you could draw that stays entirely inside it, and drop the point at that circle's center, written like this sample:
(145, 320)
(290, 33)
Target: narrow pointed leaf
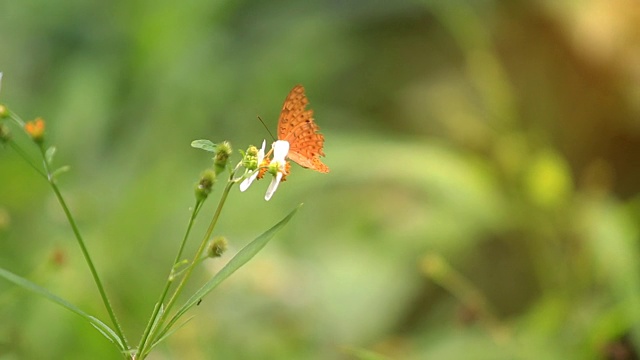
(109, 334)
(103, 328)
(241, 258)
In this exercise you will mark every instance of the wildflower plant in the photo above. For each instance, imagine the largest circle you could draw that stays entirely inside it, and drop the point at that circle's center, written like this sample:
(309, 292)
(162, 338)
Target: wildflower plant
(166, 315)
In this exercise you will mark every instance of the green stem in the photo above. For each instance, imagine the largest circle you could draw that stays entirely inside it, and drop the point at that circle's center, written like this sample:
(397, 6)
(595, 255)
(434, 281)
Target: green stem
(15, 117)
(85, 252)
(165, 291)
(192, 265)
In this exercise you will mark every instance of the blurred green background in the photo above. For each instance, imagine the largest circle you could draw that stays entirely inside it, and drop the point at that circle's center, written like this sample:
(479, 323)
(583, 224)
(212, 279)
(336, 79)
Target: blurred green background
(482, 201)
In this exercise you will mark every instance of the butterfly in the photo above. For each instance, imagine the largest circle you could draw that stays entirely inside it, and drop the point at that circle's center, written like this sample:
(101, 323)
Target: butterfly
(297, 127)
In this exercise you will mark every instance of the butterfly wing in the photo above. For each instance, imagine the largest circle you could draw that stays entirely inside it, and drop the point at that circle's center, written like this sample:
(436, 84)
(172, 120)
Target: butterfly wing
(296, 126)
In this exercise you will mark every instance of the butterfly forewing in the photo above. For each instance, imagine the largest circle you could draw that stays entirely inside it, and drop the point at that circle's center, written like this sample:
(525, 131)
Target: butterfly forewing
(296, 126)
(293, 112)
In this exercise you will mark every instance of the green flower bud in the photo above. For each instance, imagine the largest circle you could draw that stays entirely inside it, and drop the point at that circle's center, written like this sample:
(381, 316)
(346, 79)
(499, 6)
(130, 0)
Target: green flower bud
(250, 160)
(4, 112)
(252, 151)
(203, 187)
(217, 247)
(223, 151)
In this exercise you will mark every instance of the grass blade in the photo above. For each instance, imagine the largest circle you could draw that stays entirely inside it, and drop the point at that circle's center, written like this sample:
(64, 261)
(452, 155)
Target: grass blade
(103, 328)
(241, 258)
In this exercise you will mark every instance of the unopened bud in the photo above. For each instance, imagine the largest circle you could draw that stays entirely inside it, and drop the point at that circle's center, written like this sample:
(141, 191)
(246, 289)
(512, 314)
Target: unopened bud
(204, 186)
(250, 160)
(217, 247)
(223, 151)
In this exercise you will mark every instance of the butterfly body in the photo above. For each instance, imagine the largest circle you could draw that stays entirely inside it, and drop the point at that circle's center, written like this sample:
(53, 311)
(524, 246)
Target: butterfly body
(297, 127)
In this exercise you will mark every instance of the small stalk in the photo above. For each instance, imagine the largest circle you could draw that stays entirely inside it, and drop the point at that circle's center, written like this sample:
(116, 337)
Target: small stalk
(189, 270)
(85, 252)
(170, 278)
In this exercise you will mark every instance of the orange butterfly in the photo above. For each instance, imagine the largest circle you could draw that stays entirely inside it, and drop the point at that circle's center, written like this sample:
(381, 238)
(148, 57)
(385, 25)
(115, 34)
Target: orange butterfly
(297, 127)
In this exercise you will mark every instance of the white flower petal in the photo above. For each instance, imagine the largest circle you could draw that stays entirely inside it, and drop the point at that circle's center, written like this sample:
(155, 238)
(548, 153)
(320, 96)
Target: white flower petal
(261, 152)
(0, 81)
(244, 185)
(280, 151)
(273, 186)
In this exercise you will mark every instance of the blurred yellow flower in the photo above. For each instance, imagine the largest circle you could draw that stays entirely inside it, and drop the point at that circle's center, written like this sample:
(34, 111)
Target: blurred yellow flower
(35, 129)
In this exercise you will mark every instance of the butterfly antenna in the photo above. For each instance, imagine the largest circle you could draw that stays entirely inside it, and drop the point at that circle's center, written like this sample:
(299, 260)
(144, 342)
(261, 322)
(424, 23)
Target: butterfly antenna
(265, 126)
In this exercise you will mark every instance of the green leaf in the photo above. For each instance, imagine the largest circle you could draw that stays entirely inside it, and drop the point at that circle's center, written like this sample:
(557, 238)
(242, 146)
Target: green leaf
(241, 258)
(103, 328)
(60, 170)
(204, 145)
(49, 154)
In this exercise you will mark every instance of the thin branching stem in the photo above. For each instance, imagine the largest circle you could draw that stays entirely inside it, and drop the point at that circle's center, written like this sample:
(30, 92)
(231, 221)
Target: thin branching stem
(170, 278)
(13, 116)
(189, 270)
(85, 252)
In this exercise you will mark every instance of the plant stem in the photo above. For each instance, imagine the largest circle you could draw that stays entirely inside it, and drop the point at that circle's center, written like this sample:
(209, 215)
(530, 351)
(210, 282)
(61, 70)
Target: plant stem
(85, 252)
(192, 265)
(165, 291)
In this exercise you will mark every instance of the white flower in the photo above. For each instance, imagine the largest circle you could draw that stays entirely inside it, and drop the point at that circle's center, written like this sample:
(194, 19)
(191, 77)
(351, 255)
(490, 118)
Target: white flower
(280, 151)
(245, 184)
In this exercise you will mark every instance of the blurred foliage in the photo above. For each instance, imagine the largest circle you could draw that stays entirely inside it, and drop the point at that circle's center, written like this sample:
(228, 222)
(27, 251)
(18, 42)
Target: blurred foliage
(483, 199)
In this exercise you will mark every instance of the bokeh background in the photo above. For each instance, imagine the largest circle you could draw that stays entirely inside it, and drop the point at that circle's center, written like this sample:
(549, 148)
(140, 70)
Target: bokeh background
(482, 201)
